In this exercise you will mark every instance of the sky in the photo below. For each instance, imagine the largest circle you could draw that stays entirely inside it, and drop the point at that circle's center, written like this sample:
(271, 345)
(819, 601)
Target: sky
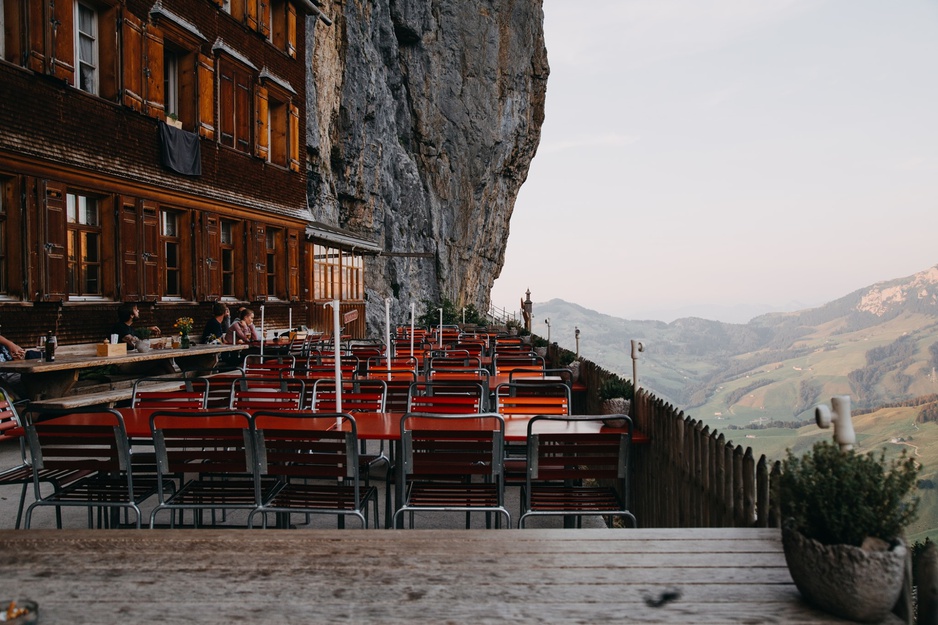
(727, 158)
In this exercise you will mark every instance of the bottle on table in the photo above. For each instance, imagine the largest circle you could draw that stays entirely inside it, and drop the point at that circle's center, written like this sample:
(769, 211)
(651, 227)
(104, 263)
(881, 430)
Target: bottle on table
(50, 346)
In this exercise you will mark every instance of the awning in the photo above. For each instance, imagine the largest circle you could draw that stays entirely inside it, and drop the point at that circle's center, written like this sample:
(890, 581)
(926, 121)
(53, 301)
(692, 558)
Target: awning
(341, 238)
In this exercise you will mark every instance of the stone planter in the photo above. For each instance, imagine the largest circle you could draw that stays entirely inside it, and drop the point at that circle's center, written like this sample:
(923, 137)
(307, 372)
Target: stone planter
(541, 351)
(574, 368)
(616, 405)
(857, 584)
(143, 345)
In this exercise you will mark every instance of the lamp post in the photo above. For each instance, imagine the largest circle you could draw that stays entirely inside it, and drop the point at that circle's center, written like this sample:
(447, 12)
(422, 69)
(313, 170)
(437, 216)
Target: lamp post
(547, 321)
(441, 328)
(577, 335)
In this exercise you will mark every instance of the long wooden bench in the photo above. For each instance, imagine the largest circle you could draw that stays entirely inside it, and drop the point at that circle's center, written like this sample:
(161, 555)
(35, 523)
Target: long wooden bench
(107, 398)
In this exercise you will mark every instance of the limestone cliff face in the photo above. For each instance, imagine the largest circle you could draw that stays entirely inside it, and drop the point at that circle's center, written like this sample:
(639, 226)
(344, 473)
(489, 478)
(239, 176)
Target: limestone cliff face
(424, 117)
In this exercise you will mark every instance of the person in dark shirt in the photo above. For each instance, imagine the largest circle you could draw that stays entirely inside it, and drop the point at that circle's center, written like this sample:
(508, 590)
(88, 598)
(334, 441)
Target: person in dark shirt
(215, 327)
(124, 329)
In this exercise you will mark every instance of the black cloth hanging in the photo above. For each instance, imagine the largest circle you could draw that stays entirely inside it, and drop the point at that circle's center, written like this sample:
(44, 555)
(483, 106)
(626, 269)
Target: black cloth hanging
(180, 151)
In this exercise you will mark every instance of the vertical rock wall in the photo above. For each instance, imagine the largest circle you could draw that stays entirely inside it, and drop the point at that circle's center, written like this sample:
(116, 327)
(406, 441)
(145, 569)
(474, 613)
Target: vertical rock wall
(424, 116)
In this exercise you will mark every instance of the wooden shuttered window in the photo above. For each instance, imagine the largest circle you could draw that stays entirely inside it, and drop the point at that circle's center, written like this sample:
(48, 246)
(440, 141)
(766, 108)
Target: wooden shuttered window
(153, 72)
(109, 49)
(293, 264)
(294, 136)
(14, 22)
(150, 248)
(210, 261)
(131, 254)
(206, 87)
(51, 38)
(251, 14)
(55, 244)
(234, 104)
(142, 48)
(262, 135)
(257, 270)
(132, 45)
(263, 17)
(291, 30)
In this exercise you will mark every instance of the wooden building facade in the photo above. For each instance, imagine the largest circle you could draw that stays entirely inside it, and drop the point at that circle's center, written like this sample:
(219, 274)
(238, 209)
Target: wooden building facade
(102, 201)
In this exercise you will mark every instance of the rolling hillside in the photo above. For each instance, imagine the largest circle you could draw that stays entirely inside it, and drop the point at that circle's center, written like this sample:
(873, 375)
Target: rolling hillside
(758, 382)
(879, 345)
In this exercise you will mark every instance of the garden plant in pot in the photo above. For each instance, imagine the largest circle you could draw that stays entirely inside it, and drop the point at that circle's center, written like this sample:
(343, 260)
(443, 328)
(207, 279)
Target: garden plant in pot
(843, 516)
(616, 395)
(143, 339)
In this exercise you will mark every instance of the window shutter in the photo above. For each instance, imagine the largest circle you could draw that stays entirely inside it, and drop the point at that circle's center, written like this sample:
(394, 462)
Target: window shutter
(109, 54)
(291, 30)
(236, 9)
(261, 140)
(294, 138)
(226, 104)
(36, 36)
(153, 73)
(243, 118)
(293, 264)
(206, 75)
(132, 48)
(263, 17)
(55, 244)
(62, 29)
(257, 272)
(211, 249)
(14, 22)
(150, 244)
(129, 249)
(250, 14)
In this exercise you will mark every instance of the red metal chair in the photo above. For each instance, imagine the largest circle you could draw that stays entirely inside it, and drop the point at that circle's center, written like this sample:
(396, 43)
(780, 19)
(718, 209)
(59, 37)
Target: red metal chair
(168, 394)
(316, 466)
(576, 474)
(92, 441)
(215, 451)
(267, 394)
(452, 463)
(22, 474)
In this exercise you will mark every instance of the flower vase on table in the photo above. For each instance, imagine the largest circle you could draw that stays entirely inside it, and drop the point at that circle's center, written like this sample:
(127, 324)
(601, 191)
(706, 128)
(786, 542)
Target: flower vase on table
(184, 325)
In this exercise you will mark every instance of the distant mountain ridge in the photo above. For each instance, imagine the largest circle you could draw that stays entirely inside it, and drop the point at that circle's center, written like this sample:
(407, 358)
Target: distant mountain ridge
(878, 344)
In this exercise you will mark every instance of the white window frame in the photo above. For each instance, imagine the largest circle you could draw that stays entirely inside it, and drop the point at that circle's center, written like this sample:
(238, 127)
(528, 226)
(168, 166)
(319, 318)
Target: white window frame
(95, 61)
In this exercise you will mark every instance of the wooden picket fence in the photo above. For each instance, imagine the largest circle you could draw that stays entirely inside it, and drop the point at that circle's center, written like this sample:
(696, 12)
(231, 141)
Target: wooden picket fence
(689, 475)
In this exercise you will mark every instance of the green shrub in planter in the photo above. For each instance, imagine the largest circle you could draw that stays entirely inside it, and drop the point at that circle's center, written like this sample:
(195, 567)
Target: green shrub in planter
(614, 387)
(841, 497)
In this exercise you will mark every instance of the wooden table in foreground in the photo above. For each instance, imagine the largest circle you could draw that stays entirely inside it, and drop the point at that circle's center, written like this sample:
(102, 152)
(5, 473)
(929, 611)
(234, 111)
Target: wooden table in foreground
(475, 576)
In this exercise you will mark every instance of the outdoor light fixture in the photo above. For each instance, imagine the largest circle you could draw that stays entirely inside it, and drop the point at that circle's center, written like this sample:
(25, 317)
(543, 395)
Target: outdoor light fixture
(577, 334)
(547, 321)
(837, 414)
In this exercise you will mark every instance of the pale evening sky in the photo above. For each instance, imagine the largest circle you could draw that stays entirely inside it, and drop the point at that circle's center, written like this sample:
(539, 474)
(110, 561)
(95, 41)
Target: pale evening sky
(724, 158)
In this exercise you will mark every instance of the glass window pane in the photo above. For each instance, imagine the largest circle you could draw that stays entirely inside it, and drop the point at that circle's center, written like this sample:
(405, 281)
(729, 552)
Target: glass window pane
(226, 232)
(70, 207)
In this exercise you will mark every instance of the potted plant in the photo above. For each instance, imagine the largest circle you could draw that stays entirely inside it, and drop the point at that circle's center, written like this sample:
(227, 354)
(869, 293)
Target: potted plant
(616, 395)
(568, 360)
(843, 518)
(173, 120)
(143, 339)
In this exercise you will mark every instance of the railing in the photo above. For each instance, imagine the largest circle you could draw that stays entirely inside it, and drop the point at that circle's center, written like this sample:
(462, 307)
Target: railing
(501, 316)
(689, 475)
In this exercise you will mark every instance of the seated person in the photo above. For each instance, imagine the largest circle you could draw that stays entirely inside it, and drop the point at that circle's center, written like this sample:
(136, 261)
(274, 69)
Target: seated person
(215, 328)
(124, 326)
(9, 380)
(243, 331)
(125, 332)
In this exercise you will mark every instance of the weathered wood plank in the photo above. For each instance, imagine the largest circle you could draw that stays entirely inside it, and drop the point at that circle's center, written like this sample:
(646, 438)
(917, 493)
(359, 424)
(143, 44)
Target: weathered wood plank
(544, 576)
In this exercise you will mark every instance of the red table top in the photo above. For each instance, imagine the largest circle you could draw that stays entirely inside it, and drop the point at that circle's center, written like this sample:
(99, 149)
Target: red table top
(371, 425)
